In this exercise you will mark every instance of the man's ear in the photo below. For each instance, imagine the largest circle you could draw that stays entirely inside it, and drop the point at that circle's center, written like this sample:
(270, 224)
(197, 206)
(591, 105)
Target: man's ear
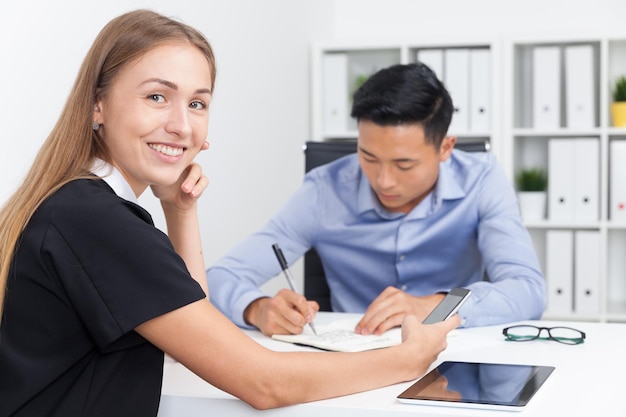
(447, 145)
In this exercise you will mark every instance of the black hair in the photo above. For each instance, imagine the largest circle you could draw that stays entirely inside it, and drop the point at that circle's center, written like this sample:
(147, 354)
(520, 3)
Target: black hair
(406, 94)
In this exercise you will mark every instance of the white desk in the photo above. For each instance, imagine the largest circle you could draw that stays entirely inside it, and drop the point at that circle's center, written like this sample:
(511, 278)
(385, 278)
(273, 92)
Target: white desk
(588, 379)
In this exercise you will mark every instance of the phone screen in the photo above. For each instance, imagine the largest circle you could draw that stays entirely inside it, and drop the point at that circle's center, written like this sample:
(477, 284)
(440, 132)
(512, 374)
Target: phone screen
(448, 306)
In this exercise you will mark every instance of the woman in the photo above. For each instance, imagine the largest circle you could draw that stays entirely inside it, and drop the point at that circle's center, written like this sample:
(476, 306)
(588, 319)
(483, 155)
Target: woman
(92, 293)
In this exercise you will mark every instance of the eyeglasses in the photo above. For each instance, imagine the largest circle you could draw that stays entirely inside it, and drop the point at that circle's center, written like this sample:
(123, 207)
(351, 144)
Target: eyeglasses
(525, 332)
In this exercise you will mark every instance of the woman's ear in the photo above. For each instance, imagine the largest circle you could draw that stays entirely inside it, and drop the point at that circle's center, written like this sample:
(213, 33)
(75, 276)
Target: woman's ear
(97, 114)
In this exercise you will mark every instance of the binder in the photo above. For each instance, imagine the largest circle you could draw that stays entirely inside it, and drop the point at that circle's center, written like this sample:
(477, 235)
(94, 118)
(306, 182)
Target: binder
(433, 58)
(546, 82)
(586, 175)
(335, 92)
(574, 179)
(559, 271)
(561, 179)
(579, 87)
(617, 181)
(587, 271)
(480, 90)
(456, 80)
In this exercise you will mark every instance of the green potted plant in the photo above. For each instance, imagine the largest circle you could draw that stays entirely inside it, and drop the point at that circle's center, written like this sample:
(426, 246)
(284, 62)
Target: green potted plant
(618, 107)
(532, 184)
(532, 179)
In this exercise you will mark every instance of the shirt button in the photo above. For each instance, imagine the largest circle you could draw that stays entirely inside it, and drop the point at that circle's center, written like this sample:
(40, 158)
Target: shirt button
(402, 257)
(403, 287)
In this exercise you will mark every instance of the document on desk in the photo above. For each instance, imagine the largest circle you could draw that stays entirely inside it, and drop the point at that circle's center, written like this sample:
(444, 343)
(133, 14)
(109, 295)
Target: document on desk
(339, 336)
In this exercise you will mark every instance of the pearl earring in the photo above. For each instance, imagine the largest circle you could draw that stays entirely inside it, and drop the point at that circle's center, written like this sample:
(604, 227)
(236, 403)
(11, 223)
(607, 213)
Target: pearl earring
(96, 126)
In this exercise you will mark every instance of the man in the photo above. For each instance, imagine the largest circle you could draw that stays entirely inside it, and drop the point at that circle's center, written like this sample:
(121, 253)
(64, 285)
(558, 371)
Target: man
(396, 225)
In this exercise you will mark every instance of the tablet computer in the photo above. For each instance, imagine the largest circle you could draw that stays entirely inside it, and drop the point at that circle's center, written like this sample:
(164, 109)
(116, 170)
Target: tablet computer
(478, 385)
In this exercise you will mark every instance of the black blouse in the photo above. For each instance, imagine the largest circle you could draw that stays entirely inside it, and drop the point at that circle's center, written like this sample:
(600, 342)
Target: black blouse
(89, 268)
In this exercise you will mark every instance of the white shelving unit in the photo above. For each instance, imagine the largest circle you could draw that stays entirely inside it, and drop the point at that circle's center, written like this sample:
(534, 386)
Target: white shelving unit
(517, 143)
(527, 146)
(364, 58)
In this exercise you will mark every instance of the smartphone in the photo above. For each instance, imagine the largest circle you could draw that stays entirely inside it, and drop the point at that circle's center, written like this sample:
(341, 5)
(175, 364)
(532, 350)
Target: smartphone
(448, 306)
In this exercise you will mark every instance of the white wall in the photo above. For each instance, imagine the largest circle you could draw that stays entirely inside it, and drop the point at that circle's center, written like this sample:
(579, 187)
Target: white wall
(260, 114)
(410, 19)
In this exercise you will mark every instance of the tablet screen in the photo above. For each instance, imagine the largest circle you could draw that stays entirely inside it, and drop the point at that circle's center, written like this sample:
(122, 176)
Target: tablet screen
(478, 385)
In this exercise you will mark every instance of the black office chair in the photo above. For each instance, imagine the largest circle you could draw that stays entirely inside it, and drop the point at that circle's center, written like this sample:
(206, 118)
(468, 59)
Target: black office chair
(320, 153)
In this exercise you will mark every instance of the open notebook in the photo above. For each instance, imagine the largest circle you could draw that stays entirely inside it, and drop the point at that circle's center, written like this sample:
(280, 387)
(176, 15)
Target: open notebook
(339, 336)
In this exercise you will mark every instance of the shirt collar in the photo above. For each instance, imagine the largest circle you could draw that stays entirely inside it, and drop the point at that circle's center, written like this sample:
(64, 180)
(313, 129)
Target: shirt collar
(446, 188)
(114, 179)
(367, 200)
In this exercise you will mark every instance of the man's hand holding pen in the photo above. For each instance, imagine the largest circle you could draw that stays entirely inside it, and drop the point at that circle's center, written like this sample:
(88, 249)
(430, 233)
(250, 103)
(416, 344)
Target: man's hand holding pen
(285, 313)
(282, 261)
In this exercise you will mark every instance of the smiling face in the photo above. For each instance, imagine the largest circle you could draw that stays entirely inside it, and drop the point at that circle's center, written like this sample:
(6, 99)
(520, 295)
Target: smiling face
(401, 167)
(154, 118)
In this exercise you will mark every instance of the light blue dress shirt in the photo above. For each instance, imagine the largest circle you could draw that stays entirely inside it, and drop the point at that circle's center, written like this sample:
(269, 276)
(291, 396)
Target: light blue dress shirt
(467, 228)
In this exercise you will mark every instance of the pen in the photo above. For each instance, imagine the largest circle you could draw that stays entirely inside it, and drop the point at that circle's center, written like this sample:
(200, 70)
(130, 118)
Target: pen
(283, 265)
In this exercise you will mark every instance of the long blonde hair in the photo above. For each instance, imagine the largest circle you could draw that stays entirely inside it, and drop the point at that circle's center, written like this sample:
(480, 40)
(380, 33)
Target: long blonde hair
(70, 149)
